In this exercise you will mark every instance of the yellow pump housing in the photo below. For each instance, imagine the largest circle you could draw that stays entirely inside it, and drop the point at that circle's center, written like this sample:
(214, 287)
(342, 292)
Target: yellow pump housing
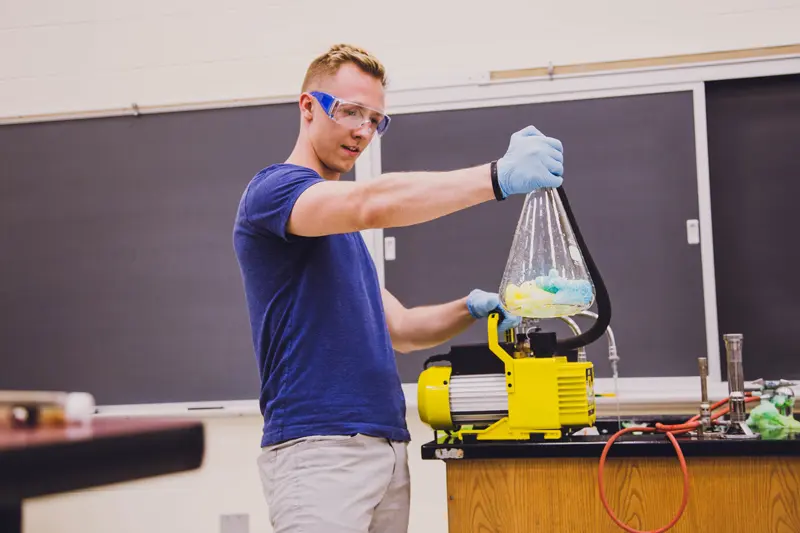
(544, 396)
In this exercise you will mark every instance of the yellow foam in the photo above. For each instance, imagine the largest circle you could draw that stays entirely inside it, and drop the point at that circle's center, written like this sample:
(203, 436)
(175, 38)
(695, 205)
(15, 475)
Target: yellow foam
(527, 299)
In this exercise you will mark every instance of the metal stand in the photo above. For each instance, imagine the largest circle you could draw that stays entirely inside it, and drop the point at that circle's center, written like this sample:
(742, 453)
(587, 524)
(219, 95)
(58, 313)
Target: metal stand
(741, 431)
(705, 409)
(11, 518)
(738, 428)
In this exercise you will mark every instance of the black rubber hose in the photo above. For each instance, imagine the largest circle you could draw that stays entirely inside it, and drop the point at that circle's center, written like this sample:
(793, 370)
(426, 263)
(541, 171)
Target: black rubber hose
(603, 302)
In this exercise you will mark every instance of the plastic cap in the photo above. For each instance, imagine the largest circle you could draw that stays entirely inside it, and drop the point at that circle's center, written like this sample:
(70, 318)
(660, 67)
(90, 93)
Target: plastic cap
(79, 406)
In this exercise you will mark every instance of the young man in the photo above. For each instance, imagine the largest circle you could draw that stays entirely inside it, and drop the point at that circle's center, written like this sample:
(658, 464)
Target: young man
(334, 438)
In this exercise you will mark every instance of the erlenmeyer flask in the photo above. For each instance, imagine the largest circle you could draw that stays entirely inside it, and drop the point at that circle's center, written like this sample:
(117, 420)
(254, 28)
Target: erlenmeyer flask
(545, 276)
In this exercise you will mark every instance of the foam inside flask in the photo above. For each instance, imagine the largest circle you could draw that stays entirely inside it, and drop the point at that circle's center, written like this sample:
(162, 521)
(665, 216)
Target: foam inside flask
(545, 275)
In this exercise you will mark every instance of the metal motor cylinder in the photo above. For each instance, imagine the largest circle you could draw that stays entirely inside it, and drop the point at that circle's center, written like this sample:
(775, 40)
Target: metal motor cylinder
(446, 400)
(480, 398)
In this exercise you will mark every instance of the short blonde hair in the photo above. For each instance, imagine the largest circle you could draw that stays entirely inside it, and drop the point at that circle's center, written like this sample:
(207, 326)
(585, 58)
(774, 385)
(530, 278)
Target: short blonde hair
(337, 55)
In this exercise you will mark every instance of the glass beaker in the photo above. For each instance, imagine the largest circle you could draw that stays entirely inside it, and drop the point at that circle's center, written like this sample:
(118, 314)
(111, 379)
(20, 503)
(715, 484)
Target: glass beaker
(545, 275)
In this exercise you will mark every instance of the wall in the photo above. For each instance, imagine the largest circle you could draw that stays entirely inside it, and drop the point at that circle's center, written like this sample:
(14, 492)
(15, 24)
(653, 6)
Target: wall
(69, 56)
(59, 57)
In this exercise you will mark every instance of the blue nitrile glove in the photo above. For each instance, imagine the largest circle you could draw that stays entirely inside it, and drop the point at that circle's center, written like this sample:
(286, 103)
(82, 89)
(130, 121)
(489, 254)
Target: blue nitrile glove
(481, 304)
(533, 161)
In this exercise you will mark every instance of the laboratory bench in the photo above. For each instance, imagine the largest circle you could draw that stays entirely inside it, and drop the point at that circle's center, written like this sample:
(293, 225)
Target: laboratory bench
(45, 461)
(552, 486)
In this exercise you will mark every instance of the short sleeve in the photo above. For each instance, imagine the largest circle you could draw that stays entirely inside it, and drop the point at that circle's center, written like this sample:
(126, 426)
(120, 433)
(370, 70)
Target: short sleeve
(272, 194)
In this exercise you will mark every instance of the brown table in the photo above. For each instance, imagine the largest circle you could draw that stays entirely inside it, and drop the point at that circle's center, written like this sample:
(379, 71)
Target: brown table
(44, 461)
(527, 487)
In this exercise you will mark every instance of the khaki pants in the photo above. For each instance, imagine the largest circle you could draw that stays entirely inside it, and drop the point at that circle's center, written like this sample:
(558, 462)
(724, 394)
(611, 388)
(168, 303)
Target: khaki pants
(337, 484)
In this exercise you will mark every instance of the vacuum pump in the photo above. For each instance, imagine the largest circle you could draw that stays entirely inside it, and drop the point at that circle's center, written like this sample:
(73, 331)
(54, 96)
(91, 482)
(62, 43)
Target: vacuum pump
(529, 384)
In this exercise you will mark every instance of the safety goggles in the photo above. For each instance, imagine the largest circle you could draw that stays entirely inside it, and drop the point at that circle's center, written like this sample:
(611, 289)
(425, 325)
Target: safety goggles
(352, 115)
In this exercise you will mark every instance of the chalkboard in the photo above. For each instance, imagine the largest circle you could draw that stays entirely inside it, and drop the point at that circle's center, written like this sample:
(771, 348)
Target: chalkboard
(631, 178)
(118, 275)
(754, 136)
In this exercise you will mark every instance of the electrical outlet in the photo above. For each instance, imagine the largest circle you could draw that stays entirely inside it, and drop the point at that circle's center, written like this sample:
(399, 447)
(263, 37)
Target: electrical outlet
(693, 231)
(234, 523)
(389, 249)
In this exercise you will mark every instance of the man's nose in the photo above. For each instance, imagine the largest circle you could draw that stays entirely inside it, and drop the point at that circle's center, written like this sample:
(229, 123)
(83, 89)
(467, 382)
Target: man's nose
(364, 130)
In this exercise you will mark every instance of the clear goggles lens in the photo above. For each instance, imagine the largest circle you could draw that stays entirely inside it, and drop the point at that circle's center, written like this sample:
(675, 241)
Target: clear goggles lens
(352, 115)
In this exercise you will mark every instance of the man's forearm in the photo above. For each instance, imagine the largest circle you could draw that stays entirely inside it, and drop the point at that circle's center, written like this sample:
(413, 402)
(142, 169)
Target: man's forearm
(407, 198)
(428, 326)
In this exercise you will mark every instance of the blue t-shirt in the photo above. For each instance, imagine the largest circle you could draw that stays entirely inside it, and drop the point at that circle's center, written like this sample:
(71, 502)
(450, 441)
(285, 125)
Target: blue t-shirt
(320, 336)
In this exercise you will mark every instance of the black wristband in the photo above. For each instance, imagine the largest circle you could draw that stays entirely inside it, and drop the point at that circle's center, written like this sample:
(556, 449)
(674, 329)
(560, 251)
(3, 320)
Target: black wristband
(498, 192)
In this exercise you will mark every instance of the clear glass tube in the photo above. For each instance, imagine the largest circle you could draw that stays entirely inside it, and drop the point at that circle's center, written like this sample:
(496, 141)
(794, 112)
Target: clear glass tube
(733, 348)
(545, 275)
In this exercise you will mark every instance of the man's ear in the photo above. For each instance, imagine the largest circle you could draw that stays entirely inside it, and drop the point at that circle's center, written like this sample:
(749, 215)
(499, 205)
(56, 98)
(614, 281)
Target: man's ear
(306, 106)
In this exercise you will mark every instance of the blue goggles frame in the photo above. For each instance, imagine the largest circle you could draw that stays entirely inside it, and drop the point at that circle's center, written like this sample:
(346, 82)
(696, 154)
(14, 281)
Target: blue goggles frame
(331, 103)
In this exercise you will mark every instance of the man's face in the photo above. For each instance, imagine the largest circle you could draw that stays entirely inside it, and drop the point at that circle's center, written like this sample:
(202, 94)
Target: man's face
(338, 145)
